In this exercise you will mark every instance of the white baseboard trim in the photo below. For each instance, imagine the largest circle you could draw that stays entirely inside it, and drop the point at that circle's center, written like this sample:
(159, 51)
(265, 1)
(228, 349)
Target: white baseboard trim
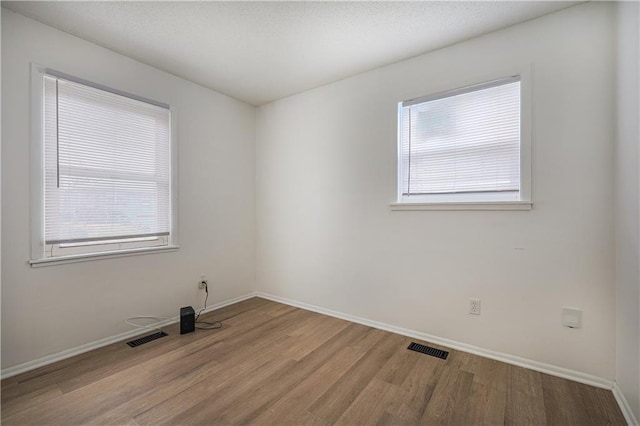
(49, 359)
(624, 406)
(487, 353)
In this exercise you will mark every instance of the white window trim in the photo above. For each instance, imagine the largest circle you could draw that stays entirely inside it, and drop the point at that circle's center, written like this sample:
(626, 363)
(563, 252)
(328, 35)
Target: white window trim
(37, 180)
(49, 261)
(478, 201)
(464, 205)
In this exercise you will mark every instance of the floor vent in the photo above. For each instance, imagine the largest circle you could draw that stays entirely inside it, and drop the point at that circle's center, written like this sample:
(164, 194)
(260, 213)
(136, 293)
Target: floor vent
(428, 350)
(146, 339)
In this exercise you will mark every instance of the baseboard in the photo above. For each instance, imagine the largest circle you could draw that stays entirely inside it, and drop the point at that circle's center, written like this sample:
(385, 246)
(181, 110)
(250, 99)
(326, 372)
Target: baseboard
(49, 359)
(487, 353)
(624, 406)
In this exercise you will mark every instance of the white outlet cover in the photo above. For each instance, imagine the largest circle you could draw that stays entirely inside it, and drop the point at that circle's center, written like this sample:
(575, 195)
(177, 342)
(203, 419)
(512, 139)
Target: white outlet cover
(474, 306)
(571, 317)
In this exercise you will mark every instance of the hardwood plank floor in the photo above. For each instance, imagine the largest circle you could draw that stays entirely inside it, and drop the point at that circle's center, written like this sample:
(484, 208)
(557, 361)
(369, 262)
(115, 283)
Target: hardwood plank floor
(274, 364)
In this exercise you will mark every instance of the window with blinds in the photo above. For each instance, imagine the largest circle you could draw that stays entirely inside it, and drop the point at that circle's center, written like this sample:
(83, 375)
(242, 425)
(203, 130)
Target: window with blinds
(107, 170)
(462, 145)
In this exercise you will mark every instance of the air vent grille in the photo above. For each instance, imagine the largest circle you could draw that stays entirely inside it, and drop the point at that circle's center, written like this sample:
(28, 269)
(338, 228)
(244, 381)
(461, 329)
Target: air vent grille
(428, 350)
(146, 339)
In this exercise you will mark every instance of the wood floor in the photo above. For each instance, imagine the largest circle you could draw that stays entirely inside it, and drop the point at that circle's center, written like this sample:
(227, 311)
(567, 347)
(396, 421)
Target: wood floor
(275, 364)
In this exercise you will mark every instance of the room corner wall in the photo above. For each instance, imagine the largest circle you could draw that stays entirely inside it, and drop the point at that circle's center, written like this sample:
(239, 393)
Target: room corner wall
(326, 173)
(52, 309)
(627, 204)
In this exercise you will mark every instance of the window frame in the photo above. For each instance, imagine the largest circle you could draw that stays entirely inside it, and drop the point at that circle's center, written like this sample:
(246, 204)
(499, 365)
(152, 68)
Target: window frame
(477, 200)
(89, 251)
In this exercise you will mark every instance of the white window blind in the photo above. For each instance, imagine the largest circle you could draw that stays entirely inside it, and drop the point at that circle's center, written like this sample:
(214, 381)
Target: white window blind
(107, 161)
(462, 141)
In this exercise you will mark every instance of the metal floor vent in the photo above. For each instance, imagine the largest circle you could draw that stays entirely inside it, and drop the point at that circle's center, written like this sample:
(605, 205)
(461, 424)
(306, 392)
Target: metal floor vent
(438, 353)
(146, 339)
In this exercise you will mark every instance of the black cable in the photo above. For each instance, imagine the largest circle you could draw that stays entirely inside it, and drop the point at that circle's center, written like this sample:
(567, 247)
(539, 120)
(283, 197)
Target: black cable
(150, 327)
(210, 325)
(206, 289)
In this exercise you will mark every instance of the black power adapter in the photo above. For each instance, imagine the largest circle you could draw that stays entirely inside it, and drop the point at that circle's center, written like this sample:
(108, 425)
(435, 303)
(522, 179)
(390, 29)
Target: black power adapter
(187, 320)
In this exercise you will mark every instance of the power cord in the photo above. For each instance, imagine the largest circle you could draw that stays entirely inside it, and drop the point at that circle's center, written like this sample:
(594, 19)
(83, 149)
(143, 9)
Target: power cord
(128, 321)
(206, 324)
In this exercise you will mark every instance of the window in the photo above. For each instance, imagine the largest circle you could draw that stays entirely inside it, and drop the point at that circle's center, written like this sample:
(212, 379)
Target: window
(464, 147)
(105, 172)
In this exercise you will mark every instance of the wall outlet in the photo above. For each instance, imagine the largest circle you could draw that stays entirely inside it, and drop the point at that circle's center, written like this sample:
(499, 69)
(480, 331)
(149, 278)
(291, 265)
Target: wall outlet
(202, 284)
(474, 306)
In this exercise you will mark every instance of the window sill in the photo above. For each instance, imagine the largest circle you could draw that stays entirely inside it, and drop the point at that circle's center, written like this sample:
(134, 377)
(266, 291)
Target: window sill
(464, 205)
(50, 261)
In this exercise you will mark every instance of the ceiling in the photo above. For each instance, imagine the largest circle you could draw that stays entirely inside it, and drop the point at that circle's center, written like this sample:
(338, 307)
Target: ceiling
(258, 52)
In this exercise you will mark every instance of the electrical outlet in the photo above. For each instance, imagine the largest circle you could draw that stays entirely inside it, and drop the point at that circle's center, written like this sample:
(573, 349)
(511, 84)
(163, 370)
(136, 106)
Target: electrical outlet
(202, 284)
(474, 306)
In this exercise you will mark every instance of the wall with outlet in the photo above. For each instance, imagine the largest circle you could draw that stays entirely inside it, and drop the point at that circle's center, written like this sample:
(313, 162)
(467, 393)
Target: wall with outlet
(50, 309)
(326, 174)
(316, 180)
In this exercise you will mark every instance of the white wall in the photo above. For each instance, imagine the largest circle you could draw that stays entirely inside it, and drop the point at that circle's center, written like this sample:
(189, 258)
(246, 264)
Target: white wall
(627, 205)
(326, 173)
(325, 177)
(50, 309)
